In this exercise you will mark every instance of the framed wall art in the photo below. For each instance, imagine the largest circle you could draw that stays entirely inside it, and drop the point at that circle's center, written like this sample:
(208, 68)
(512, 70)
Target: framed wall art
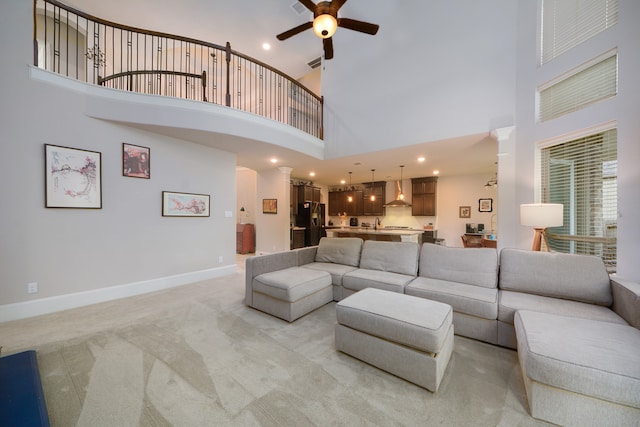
(269, 206)
(464, 212)
(485, 205)
(185, 204)
(73, 178)
(136, 161)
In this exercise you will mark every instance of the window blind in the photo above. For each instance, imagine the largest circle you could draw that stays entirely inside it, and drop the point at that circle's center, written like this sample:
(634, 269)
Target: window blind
(582, 175)
(567, 23)
(594, 83)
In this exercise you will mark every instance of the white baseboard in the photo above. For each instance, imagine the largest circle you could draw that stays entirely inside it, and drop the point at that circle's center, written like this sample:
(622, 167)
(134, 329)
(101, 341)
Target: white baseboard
(23, 310)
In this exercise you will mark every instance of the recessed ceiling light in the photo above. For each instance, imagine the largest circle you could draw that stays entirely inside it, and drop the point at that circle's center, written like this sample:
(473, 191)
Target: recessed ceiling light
(421, 159)
(266, 46)
(436, 172)
(274, 160)
(312, 174)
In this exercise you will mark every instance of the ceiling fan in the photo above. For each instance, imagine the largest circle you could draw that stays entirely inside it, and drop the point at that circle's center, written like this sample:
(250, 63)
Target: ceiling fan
(325, 23)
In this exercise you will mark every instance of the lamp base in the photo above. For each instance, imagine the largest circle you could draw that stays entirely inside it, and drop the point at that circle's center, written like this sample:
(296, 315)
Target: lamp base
(538, 237)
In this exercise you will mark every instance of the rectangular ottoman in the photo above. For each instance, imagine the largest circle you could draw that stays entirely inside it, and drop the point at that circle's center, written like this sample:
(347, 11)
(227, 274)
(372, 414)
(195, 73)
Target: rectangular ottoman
(407, 336)
(292, 292)
(579, 372)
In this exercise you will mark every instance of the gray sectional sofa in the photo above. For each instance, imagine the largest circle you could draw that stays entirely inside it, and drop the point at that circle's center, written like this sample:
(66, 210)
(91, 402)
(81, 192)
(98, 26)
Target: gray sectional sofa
(576, 329)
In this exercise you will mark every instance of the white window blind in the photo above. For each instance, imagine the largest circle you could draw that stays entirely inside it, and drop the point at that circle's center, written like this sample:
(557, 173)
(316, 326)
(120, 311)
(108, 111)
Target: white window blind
(594, 83)
(567, 23)
(582, 175)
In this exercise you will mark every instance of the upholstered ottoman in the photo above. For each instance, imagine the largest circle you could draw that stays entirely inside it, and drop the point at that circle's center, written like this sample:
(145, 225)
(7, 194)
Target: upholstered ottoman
(292, 292)
(579, 372)
(407, 336)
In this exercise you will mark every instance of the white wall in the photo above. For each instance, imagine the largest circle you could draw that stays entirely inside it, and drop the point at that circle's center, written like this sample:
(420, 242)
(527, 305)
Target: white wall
(246, 195)
(624, 108)
(447, 73)
(272, 230)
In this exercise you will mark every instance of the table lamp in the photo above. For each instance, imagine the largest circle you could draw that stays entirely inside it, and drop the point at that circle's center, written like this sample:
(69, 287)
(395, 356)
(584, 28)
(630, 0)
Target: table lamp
(540, 216)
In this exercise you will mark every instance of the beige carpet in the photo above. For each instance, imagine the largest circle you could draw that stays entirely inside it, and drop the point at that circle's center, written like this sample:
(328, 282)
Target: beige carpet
(197, 356)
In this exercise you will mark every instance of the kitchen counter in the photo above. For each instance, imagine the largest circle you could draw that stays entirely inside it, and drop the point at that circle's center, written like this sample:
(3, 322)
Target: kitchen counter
(384, 234)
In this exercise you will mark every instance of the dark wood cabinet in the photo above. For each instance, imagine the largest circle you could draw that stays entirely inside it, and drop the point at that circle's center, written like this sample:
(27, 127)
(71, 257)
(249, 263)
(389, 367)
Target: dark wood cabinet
(297, 238)
(355, 207)
(308, 193)
(423, 194)
(374, 207)
(339, 203)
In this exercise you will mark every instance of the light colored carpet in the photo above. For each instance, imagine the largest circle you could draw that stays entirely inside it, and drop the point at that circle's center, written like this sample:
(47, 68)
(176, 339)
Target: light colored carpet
(197, 356)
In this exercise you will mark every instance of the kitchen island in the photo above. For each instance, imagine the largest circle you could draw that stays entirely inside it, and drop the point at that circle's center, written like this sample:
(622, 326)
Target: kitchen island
(390, 234)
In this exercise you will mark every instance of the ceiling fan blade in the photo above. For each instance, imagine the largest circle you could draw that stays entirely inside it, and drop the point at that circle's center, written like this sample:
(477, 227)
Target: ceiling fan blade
(296, 30)
(328, 48)
(309, 5)
(337, 4)
(363, 27)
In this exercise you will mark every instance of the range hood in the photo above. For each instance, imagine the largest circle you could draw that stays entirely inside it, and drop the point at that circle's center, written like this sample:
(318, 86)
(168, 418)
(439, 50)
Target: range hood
(398, 202)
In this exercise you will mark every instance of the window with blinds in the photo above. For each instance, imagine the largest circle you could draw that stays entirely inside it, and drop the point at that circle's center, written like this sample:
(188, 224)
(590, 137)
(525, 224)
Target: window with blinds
(594, 82)
(582, 175)
(567, 23)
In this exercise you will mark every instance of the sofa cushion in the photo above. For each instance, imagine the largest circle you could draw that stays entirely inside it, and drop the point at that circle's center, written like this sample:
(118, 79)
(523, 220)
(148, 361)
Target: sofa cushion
(291, 284)
(363, 278)
(477, 267)
(469, 299)
(336, 270)
(340, 250)
(509, 302)
(577, 277)
(598, 359)
(395, 257)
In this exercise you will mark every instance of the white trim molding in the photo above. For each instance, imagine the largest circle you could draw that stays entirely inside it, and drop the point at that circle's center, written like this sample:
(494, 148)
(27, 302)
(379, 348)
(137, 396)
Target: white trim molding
(23, 310)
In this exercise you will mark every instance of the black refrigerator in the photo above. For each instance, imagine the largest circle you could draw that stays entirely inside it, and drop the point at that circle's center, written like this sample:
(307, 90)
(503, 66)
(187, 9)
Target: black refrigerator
(311, 216)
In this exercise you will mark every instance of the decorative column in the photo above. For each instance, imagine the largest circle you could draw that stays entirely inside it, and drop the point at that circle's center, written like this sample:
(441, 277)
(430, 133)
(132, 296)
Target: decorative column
(507, 214)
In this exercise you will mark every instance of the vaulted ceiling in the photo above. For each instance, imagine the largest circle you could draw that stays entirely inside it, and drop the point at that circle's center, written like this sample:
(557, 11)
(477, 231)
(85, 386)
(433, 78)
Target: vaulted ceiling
(248, 24)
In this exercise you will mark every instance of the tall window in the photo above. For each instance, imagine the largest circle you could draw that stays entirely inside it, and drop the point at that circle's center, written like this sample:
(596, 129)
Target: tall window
(582, 175)
(567, 23)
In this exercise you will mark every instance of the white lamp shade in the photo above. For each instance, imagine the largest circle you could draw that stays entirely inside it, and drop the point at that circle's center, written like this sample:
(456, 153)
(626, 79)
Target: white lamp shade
(541, 215)
(325, 26)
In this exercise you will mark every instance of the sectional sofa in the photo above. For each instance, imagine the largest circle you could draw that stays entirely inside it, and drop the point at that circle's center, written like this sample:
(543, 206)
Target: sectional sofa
(575, 328)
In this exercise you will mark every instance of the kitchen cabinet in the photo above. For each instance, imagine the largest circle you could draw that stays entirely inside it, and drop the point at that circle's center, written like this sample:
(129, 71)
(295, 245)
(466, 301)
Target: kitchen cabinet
(375, 207)
(297, 238)
(308, 193)
(423, 192)
(339, 203)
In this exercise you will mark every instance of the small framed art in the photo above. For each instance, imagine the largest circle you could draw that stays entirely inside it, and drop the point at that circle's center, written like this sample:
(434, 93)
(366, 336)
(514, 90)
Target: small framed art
(73, 178)
(485, 205)
(136, 161)
(185, 204)
(464, 212)
(269, 206)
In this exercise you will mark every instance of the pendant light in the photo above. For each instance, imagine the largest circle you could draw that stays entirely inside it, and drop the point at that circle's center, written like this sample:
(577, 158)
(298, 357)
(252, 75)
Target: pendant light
(350, 196)
(401, 195)
(373, 194)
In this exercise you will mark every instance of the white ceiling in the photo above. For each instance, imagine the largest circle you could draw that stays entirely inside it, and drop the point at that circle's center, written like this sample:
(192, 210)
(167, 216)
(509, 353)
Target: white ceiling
(247, 24)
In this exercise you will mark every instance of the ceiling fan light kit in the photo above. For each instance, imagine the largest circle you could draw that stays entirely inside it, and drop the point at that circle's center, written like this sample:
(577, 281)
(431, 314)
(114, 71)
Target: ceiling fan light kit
(325, 26)
(326, 22)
